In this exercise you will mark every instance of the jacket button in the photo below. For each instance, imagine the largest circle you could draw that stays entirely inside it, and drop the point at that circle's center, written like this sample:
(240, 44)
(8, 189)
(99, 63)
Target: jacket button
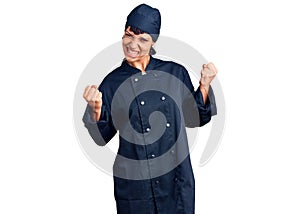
(153, 155)
(175, 179)
(163, 98)
(136, 79)
(157, 181)
(168, 124)
(172, 152)
(148, 129)
(142, 103)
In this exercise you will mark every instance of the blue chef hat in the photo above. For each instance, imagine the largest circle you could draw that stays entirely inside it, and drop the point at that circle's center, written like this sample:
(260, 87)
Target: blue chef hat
(145, 18)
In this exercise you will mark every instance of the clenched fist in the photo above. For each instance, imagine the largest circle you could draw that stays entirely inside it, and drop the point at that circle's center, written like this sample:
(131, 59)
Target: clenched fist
(94, 99)
(208, 73)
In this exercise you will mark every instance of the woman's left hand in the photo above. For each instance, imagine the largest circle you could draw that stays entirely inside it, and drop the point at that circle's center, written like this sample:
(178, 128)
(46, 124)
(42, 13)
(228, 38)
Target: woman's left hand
(208, 73)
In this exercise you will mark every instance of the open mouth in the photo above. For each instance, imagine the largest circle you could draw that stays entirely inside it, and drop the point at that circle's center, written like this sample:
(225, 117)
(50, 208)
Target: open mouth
(132, 53)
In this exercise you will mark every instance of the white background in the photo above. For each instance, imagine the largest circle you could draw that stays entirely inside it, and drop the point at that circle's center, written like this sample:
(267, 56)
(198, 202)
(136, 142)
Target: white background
(44, 47)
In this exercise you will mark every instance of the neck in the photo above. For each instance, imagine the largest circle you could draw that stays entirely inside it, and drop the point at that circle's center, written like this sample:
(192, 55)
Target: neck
(141, 64)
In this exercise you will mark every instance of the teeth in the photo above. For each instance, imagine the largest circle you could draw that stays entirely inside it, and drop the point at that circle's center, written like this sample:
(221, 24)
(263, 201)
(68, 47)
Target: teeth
(132, 51)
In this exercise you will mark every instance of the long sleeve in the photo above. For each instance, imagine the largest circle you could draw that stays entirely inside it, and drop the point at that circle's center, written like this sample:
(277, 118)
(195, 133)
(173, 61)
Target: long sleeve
(103, 130)
(196, 113)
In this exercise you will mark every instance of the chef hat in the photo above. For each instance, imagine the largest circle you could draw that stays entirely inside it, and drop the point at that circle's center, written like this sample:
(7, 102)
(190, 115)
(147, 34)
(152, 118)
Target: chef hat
(146, 19)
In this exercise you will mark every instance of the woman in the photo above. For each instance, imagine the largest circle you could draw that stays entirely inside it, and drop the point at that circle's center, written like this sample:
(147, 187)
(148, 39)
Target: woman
(150, 102)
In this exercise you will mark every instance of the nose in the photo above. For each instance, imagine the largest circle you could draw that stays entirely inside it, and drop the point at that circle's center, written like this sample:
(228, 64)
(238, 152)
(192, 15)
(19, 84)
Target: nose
(134, 44)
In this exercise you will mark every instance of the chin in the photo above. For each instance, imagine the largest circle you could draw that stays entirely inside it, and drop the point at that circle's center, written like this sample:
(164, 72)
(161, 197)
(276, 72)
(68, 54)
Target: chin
(131, 58)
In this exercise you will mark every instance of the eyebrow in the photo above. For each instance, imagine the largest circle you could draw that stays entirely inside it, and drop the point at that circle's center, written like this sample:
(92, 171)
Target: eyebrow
(136, 35)
(128, 32)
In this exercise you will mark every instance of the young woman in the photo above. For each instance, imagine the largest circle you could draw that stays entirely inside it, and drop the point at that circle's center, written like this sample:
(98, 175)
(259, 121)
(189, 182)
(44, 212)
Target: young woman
(150, 102)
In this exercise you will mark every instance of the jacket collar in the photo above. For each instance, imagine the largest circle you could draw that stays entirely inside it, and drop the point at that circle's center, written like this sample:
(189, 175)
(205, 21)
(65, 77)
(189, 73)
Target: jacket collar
(133, 70)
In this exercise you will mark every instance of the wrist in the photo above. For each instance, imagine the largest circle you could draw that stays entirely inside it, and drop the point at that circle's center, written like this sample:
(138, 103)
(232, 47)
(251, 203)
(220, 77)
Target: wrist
(204, 92)
(204, 87)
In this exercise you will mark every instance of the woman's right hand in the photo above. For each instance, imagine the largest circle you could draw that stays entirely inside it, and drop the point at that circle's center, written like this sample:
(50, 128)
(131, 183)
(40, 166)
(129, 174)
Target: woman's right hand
(94, 99)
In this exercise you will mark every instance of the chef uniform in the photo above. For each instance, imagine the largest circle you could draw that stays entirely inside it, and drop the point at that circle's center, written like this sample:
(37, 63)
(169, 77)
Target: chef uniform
(152, 171)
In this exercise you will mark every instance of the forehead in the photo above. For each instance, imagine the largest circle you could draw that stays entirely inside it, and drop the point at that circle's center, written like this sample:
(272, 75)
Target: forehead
(145, 35)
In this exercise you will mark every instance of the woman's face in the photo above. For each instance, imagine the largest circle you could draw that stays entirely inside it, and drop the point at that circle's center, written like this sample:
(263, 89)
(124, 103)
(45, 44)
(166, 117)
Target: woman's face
(136, 47)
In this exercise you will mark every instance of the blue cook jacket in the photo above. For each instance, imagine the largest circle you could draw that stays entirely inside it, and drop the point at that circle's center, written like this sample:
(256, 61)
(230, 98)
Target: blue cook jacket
(152, 172)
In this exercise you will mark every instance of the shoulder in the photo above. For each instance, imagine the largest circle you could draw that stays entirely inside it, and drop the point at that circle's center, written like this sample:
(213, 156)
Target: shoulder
(113, 79)
(172, 67)
(161, 62)
(112, 75)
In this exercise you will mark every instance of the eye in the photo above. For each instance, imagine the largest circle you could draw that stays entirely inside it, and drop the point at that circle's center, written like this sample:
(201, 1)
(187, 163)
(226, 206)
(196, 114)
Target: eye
(128, 34)
(143, 40)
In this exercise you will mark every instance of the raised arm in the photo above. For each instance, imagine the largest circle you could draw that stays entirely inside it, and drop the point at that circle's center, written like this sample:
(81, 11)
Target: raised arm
(208, 73)
(97, 117)
(94, 99)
